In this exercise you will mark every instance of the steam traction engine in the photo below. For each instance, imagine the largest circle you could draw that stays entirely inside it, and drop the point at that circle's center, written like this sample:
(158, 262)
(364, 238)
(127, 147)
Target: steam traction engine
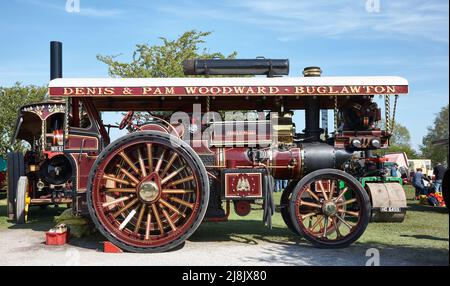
(149, 190)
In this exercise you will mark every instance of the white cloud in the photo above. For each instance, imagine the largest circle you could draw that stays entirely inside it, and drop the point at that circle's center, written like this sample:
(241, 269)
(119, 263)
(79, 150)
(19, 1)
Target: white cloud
(294, 18)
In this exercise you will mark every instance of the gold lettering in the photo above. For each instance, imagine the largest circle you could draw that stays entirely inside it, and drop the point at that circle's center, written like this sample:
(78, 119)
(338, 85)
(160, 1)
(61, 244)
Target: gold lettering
(227, 90)
(169, 90)
(332, 91)
(157, 91)
(355, 89)
(91, 91)
(109, 90)
(147, 90)
(273, 89)
(299, 89)
(380, 89)
(344, 90)
(79, 91)
(191, 89)
(321, 89)
(214, 90)
(261, 89)
(239, 89)
(390, 89)
(68, 91)
(250, 90)
(310, 89)
(203, 90)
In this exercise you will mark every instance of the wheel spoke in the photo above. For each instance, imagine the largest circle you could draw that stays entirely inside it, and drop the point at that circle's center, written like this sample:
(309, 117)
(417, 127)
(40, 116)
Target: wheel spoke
(336, 227)
(332, 185)
(346, 202)
(128, 174)
(182, 202)
(147, 227)
(150, 157)
(349, 212)
(303, 203)
(158, 165)
(180, 181)
(126, 207)
(316, 223)
(122, 181)
(176, 191)
(141, 163)
(169, 164)
(341, 194)
(127, 159)
(122, 199)
(171, 175)
(344, 222)
(158, 219)
(139, 220)
(312, 194)
(120, 190)
(174, 209)
(322, 189)
(127, 219)
(309, 215)
(325, 228)
(166, 215)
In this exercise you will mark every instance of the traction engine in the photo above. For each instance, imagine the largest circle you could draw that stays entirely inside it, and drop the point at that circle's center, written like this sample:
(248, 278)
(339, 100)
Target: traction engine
(188, 155)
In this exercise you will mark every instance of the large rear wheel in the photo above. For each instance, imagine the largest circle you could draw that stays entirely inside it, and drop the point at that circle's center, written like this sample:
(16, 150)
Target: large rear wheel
(330, 208)
(148, 192)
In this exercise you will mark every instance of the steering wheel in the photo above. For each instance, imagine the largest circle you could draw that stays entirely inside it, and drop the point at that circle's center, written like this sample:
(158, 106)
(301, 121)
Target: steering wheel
(126, 120)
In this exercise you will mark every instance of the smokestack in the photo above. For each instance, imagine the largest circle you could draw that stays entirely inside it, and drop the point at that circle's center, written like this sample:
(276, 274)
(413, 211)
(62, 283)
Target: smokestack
(312, 109)
(55, 60)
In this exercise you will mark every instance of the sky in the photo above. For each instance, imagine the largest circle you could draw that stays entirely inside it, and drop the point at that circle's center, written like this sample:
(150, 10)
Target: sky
(408, 38)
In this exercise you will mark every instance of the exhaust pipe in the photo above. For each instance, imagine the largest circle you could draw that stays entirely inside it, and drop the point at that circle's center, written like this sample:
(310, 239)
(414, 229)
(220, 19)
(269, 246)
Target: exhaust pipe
(55, 60)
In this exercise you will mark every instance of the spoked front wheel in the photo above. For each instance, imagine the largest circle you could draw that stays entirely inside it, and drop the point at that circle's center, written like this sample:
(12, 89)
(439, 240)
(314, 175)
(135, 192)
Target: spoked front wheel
(148, 192)
(330, 208)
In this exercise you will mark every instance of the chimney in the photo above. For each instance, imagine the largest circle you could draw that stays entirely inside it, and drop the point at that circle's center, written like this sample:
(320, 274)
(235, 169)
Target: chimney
(55, 60)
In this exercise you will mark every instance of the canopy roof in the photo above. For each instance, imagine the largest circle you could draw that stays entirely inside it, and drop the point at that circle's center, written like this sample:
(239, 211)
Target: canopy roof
(130, 93)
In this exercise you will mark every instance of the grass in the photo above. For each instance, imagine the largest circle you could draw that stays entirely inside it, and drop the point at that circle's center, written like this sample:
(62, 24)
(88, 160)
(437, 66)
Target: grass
(424, 227)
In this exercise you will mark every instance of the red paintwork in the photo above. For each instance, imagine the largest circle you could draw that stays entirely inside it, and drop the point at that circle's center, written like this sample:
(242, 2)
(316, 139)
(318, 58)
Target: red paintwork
(253, 185)
(222, 91)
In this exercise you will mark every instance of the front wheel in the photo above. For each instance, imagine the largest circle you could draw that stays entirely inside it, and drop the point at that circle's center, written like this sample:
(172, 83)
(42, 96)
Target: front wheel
(330, 208)
(148, 192)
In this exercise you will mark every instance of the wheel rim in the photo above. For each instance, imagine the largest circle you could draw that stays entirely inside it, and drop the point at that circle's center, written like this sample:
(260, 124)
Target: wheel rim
(329, 210)
(146, 194)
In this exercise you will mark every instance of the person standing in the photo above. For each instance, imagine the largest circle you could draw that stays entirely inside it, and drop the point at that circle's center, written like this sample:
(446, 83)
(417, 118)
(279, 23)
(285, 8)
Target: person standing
(438, 173)
(394, 170)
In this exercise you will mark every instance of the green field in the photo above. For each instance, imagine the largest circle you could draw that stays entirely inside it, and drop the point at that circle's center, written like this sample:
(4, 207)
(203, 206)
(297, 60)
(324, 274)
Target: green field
(425, 228)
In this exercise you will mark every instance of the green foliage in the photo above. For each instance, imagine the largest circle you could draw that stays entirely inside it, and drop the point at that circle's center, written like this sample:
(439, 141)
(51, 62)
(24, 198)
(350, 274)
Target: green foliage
(11, 99)
(164, 60)
(400, 142)
(437, 153)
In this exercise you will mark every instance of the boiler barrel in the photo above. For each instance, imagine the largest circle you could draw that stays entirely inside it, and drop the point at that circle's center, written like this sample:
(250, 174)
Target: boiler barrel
(270, 67)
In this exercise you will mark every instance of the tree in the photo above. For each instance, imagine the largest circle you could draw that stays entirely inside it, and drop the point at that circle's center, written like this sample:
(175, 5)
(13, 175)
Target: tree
(11, 99)
(164, 60)
(399, 142)
(429, 150)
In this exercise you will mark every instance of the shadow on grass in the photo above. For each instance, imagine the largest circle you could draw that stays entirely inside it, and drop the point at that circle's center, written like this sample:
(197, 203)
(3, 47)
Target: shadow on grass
(422, 208)
(242, 231)
(38, 219)
(423, 236)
